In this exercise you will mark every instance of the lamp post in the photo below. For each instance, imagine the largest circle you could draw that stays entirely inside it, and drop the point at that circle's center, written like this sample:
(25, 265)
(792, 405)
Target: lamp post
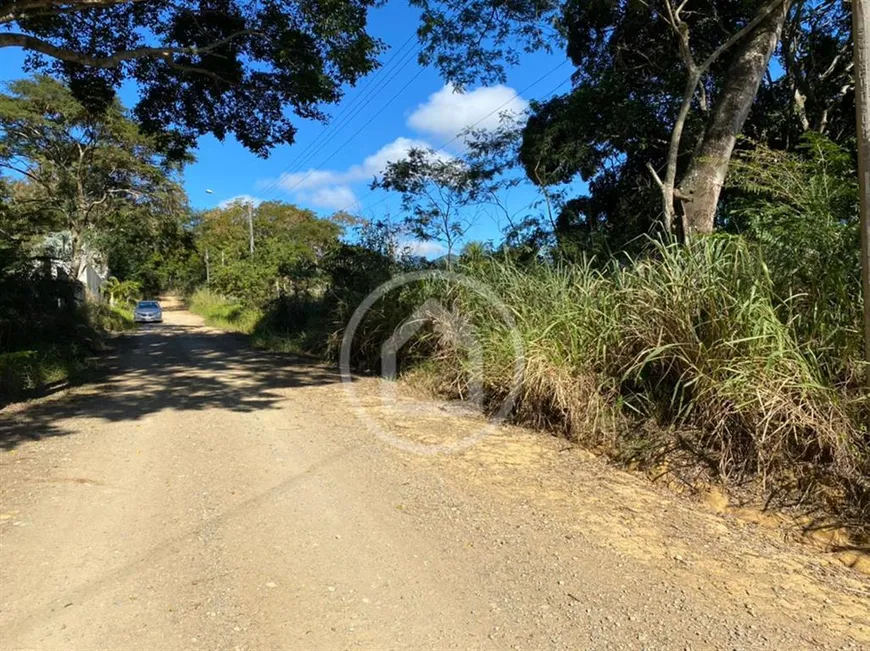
(207, 267)
(250, 205)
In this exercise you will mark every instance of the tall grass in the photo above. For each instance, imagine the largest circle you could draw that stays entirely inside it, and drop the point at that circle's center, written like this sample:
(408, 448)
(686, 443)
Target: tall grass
(221, 312)
(65, 356)
(688, 339)
(680, 355)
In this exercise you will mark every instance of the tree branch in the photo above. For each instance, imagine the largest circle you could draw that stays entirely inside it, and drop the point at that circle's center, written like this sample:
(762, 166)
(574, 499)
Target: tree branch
(14, 11)
(748, 27)
(655, 175)
(695, 73)
(27, 42)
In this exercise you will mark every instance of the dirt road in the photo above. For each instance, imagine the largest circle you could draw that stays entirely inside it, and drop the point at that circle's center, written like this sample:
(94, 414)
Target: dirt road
(207, 496)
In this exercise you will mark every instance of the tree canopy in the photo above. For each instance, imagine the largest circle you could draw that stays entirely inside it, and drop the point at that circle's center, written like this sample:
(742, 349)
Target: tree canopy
(439, 194)
(662, 91)
(289, 244)
(77, 171)
(225, 67)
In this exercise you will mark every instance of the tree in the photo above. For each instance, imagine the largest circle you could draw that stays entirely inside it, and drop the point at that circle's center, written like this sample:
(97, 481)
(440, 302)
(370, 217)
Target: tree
(701, 184)
(662, 90)
(291, 243)
(125, 291)
(801, 208)
(219, 68)
(151, 247)
(437, 195)
(862, 105)
(81, 170)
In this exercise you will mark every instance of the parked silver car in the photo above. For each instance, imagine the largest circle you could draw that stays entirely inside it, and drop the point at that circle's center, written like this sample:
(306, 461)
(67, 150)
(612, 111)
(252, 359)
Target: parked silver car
(148, 312)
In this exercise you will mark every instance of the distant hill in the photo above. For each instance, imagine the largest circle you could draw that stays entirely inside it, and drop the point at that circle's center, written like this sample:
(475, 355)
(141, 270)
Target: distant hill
(446, 260)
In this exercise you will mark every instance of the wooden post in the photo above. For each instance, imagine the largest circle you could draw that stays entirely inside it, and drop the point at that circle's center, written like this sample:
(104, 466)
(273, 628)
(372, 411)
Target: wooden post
(251, 226)
(861, 39)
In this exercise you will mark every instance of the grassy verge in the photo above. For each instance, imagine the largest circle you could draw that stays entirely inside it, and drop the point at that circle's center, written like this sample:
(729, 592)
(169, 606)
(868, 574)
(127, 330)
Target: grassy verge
(111, 319)
(67, 358)
(677, 361)
(678, 357)
(25, 371)
(224, 313)
(267, 328)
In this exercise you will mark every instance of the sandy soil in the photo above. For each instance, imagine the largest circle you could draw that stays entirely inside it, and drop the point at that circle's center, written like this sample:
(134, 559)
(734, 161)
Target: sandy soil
(208, 496)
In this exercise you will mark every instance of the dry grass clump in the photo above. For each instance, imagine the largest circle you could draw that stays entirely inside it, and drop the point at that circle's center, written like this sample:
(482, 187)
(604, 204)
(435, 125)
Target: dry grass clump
(688, 338)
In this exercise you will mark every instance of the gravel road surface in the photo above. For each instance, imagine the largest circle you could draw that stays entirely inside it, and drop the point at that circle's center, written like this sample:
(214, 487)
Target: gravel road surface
(208, 496)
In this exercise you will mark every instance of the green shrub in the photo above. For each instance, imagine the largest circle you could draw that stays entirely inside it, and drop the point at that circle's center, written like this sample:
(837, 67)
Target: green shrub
(224, 313)
(802, 210)
(25, 370)
(688, 338)
(294, 324)
(110, 318)
(66, 355)
(120, 293)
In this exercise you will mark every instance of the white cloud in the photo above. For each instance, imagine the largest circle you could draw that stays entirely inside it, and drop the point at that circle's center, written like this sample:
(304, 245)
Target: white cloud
(390, 153)
(240, 198)
(365, 171)
(446, 113)
(301, 181)
(331, 188)
(424, 249)
(334, 197)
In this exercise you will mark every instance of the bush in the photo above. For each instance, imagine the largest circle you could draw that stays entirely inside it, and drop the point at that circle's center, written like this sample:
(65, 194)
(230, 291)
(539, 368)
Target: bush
(244, 282)
(689, 339)
(802, 210)
(224, 313)
(295, 324)
(28, 370)
(110, 318)
(34, 306)
(119, 292)
(67, 357)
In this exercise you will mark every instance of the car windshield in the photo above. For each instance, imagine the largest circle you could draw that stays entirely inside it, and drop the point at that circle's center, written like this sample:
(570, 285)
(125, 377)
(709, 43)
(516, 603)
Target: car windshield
(147, 304)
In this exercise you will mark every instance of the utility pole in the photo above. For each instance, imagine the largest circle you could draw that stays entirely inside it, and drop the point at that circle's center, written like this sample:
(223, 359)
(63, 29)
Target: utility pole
(207, 268)
(861, 40)
(250, 205)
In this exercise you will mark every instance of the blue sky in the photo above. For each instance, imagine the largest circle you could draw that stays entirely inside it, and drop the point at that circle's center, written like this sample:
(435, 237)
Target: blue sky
(330, 166)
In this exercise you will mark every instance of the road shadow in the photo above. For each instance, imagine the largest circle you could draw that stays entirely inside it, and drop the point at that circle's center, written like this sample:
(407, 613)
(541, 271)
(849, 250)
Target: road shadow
(168, 368)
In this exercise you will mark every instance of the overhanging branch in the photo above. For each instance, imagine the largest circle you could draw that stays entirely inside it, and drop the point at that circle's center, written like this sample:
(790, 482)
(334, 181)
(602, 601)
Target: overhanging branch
(27, 42)
(13, 11)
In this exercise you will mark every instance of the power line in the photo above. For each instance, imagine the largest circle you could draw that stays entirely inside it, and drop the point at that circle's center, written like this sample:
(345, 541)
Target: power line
(357, 103)
(275, 185)
(488, 115)
(304, 161)
(516, 95)
(357, 132)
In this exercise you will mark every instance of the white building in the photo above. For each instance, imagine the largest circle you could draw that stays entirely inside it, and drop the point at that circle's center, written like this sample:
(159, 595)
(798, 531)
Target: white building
(93, 273)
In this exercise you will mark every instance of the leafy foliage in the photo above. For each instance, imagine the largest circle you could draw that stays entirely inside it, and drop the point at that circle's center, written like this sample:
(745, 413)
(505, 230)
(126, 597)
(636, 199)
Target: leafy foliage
(289, 246)
(682, 356)
(121, 291)
(219, 68)
(802, 209)
(474, 40)
(630, 58)
(438, 193)
(82, 172)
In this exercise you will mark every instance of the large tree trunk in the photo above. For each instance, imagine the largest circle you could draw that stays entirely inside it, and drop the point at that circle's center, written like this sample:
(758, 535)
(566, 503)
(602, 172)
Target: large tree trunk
(76, 253)
(702, 183)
